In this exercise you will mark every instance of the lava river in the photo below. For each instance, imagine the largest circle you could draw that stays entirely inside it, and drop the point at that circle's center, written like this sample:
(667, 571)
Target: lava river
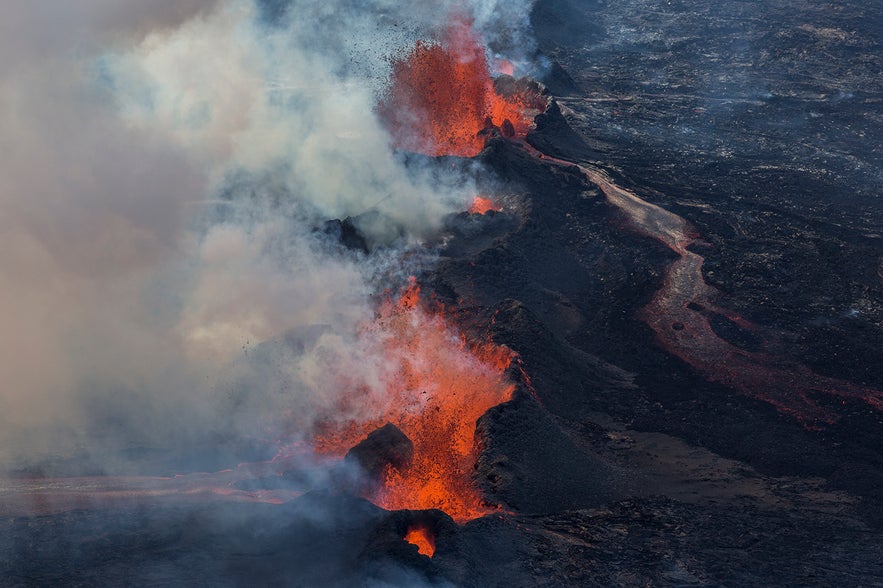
(679, 316)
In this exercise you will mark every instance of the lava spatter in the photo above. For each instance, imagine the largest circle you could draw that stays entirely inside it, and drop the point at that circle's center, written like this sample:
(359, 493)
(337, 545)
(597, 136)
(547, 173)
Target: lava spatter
(441, 96)
(441, 386)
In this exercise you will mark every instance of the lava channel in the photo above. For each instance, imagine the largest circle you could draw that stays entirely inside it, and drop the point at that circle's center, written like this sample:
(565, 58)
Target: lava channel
(679, 311)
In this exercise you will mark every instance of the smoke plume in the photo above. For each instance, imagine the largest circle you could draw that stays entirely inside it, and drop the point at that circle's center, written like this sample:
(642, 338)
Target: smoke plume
(167, 170)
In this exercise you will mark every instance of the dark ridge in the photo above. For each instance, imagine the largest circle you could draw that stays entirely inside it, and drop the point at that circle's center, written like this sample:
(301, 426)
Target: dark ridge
(554, 136)
(559, 83)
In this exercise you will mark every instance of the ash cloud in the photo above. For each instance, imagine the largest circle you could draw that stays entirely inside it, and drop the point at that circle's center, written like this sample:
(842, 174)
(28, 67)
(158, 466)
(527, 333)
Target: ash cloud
(165, 168)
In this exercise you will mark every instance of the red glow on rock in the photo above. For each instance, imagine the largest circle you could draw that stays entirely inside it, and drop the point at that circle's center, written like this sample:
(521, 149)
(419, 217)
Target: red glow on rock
(481, 205)
(441, 96)
(442, 385)
(423, 538)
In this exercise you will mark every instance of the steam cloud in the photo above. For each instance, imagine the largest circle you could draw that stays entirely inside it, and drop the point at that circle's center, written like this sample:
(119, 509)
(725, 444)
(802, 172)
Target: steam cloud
(165, 167)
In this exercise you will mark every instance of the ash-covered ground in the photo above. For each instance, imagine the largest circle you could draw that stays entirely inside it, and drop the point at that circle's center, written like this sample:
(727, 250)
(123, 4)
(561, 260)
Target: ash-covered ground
(617, 462)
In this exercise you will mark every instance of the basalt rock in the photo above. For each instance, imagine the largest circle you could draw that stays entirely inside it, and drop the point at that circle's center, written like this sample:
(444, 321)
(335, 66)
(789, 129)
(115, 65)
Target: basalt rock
(382, 448)
(347, 234)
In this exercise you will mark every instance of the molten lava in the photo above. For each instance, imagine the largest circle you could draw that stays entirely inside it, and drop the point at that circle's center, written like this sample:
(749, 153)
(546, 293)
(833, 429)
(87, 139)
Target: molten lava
(440, 388)
(504, 66)
(423, 538)
(481, 205)
(441, 96)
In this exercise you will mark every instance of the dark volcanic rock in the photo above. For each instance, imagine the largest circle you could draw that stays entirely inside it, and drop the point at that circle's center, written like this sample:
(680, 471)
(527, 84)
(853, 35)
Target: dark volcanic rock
(337, 540)
(554, 136)
(507, 129)
(530, 465)
(347, 234)
(525, 90)
(314, 540)
(754, 121)
(554, 24)
(390, 559)
(756, 130)
(387, 446)
(566, 379)
(558, 82)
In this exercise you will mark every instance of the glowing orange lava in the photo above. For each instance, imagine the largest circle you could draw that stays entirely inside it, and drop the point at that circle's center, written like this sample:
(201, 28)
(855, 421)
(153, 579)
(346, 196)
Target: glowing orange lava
(481, 205)
(441, 96)
(422, 538)
(441, 387)
(504, 66)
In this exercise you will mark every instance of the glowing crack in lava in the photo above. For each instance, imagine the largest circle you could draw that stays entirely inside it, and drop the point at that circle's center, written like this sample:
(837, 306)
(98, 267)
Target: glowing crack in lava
(441, 96)
(442, 385)
(423, 538)
(482, 205)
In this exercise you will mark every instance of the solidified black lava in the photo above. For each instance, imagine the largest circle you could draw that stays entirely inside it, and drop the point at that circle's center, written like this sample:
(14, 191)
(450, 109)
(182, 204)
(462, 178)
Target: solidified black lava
(717, 117)
(387, 446)
(347, 234)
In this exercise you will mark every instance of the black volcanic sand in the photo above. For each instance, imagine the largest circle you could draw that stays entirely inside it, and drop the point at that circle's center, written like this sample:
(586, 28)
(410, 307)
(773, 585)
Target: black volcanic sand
(616, 463)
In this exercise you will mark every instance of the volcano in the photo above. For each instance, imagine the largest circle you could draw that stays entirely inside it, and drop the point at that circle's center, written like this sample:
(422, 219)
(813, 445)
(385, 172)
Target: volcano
(645, 351)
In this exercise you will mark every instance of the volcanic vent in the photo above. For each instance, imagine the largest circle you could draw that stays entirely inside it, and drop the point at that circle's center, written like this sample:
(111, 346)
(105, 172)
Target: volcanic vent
(441, 96)
(441, 100)
(441, 384)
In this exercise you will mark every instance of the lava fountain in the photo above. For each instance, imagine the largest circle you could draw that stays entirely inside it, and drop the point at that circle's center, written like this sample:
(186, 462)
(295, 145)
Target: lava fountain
(441, 385)
(441, 97)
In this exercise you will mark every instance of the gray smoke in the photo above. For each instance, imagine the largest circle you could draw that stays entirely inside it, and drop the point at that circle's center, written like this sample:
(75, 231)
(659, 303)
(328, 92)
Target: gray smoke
(165, 168)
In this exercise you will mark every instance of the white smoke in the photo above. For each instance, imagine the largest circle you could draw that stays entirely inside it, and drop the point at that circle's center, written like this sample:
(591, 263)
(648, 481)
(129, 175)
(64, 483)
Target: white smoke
(165, 169)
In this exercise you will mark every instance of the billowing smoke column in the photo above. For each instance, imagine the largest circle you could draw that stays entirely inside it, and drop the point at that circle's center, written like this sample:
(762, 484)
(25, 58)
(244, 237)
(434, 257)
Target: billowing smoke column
(169, 281)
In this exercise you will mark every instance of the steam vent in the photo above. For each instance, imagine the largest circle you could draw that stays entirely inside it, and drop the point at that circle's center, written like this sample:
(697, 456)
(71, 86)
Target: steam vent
(459, 294)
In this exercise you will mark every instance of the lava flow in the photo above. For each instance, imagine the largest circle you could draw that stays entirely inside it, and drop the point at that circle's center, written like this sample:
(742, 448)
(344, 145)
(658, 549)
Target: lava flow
(441, 97)
(679, 316)
(441, 387)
